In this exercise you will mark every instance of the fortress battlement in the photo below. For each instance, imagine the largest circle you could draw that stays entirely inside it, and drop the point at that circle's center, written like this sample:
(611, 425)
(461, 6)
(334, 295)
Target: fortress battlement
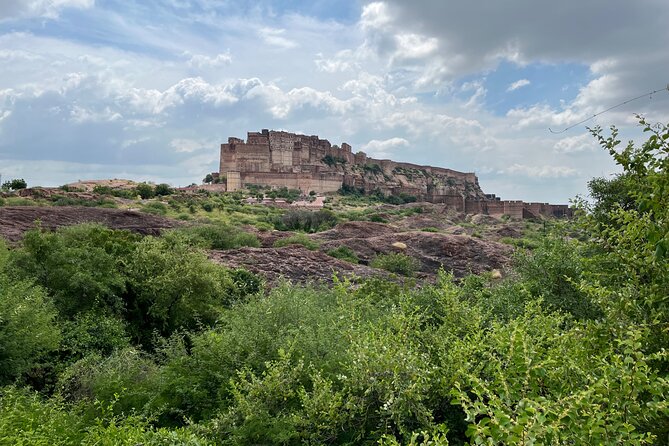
(282, 159)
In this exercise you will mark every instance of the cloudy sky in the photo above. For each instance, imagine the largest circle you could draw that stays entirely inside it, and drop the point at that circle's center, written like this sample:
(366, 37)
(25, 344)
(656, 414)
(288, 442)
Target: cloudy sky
(148, 89)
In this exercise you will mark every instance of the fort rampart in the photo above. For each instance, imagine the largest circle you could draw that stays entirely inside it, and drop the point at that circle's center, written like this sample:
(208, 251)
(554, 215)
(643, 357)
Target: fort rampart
(283, 159)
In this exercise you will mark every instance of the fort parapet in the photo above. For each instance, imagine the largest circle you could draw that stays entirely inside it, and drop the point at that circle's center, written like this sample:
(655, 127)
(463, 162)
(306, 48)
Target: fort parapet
(282, 159)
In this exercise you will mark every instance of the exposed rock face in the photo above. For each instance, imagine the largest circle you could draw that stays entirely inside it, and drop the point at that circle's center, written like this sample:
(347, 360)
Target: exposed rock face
(460, 254)
(15, 220)
(282, 159)
(294, 263)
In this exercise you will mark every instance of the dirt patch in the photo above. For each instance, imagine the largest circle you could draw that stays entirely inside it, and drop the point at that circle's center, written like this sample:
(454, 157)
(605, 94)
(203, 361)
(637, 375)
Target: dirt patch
(15, 220)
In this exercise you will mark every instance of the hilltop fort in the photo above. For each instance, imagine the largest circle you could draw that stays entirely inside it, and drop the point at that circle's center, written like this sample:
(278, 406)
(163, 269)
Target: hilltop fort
(282, 159)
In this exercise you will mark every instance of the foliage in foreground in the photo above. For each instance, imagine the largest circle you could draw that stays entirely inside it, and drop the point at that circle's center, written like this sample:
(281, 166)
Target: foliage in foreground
(571, 349)
(396, 262)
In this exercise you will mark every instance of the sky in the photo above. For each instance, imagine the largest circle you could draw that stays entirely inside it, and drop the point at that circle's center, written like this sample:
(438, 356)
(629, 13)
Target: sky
(148, 90)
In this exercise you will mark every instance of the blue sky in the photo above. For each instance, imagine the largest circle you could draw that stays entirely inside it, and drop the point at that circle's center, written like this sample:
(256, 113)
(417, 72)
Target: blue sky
(147, 90)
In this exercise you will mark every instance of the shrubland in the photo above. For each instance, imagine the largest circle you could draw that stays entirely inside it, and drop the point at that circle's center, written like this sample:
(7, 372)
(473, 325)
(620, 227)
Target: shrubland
(110, 338)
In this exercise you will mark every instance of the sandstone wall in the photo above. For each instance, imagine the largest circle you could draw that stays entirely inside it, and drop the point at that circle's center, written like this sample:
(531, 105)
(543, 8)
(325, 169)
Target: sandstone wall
(284, 159)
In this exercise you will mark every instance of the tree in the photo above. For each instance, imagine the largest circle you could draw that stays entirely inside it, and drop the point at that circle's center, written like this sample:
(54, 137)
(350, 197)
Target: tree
(208, 179)
(163, 189)
(145, 191)
(15, 184)
(27, 328)
(81, 266)
(171, 286)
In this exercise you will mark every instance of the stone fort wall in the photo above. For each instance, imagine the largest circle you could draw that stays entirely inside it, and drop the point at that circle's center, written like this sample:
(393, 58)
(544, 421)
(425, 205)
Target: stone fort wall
(283, 159)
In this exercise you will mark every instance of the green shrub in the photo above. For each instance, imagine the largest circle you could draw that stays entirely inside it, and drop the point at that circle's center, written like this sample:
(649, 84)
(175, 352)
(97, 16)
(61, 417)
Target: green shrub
(343, 252)
(289, 195)
(155, 207)
(102, 190)
(378, 218)
(552, 270)
(63, 200)
(27, 328)
(93, 333)
(263, 226)
(163, 189)
(19, 201)
(15, 184)
(217, 237)
(101, 378)
(145, 191)
(307, 221)
(82, 266)
(397, 263)
(28, 419)
(173, 287)
(524, 242)
(297, 239)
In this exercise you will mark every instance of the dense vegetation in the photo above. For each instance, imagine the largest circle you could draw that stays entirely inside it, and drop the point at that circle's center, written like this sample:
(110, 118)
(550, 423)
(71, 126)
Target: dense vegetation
(110, 338)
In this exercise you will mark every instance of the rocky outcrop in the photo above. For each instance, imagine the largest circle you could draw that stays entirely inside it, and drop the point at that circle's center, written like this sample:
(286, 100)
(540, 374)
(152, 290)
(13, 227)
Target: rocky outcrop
(15, 220)
(459, 254)
(294, 263)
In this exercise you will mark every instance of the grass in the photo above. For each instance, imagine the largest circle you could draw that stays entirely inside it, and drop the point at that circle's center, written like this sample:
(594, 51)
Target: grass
(397, 263)
(344, 253)
(297, 239)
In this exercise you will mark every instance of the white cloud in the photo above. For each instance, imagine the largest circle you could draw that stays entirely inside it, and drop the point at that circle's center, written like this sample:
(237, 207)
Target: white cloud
(474, 101)
(384, 148)
(518, 84)
(275, 37)
(344, 60)
(192, 145)
(204, 61)
(412, 46)
(140, 94)
(40, 8)
(80, 115)
(375, 16)
(545, 171)
(574, 144)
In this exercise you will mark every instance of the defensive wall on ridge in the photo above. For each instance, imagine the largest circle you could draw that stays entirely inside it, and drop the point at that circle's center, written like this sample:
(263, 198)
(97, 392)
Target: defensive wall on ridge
(282, 159)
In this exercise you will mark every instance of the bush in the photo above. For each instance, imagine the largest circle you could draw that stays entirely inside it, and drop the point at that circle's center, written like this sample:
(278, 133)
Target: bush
(289, 195)
(93, 333)
(27, 328)
(145, 191)
(100, 378)
(173, 287)
(297, 239)
(155, 207)
(15, 184)
(552, 271)
(163, 189)
(343, 252)
(81, 266)
(378, 218)
(397, 263)
(217, 237)
(28, 419)
(307, 221)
